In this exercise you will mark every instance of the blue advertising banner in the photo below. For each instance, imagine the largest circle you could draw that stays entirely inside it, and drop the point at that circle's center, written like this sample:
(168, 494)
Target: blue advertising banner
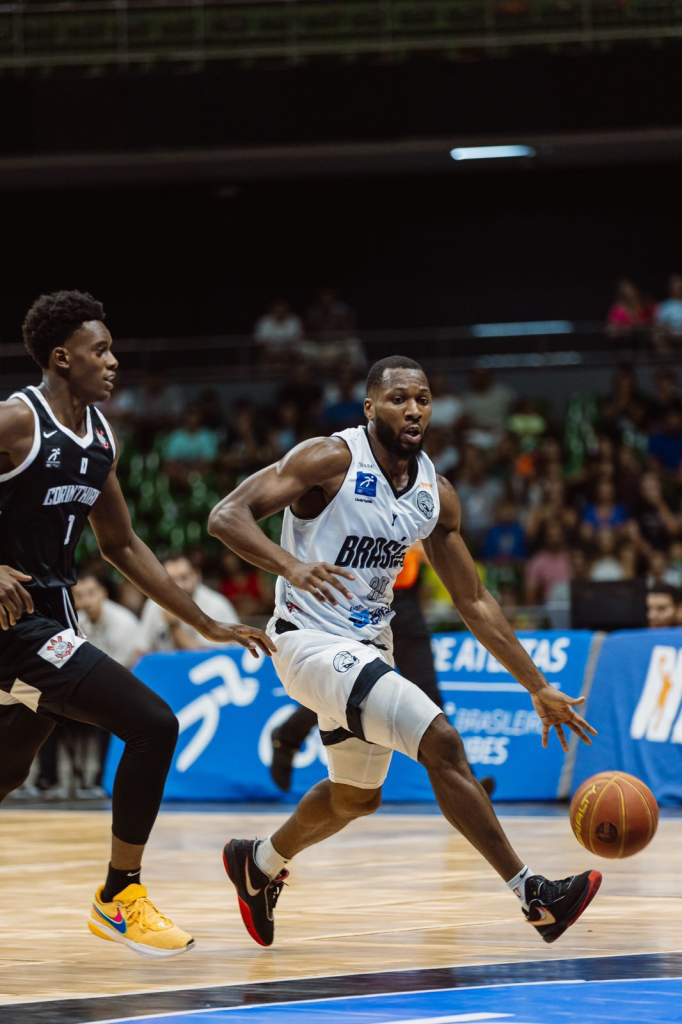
(228, 704)
(636, 704)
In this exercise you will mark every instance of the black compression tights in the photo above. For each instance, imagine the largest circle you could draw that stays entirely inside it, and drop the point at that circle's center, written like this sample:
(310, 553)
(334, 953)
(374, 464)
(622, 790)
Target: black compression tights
(114, 699)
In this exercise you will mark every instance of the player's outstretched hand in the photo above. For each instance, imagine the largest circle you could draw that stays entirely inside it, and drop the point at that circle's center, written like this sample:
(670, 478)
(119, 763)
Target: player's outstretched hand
(14, 599)
(318, 577)
(247, 636)
(557, 709)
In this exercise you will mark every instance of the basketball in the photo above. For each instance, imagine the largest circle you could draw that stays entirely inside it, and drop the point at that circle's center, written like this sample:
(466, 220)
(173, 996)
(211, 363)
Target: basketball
(614, 815)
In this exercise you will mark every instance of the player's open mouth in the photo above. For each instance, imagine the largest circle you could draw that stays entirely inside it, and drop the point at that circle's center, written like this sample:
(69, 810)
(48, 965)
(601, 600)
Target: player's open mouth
(414, 433)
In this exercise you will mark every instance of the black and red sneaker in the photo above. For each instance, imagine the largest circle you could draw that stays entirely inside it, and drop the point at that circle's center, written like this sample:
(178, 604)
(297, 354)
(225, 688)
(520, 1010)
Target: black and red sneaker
(555, 906)
(257, 894)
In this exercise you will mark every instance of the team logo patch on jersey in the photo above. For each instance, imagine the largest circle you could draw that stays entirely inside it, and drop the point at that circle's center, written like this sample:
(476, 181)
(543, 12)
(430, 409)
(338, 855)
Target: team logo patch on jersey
(59, 648)
(54, 459)
(102, 438)
(344, 660)
(425, 504)
(366, 485)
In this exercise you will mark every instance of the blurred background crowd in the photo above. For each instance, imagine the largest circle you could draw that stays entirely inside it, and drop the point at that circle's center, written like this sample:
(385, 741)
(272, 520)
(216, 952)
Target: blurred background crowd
(584, 489)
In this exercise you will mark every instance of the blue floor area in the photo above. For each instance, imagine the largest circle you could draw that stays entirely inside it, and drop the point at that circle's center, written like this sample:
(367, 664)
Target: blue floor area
(645, 1001)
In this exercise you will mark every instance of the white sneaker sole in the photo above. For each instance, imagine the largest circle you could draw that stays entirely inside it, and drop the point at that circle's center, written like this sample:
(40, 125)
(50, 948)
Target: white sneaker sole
(103, 931)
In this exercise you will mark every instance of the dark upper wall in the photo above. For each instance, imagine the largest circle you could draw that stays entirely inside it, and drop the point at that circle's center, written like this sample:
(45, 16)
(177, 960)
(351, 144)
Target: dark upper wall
(407, 251)
(330, 101)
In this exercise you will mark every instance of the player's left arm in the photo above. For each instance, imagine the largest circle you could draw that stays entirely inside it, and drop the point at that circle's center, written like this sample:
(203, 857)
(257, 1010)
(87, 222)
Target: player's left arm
(120, 545)
(450, 558)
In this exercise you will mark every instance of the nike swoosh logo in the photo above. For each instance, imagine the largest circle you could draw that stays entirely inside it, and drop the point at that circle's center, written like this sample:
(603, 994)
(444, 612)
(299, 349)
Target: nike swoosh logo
(46, 434)
(546, 917)
(249, 888)
(118, 922)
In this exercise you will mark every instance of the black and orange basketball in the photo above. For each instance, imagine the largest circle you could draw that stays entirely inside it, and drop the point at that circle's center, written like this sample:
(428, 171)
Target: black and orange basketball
(614, 814)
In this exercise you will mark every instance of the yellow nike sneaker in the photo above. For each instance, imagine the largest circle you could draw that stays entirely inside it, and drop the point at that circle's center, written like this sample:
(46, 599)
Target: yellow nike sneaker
(133, 919)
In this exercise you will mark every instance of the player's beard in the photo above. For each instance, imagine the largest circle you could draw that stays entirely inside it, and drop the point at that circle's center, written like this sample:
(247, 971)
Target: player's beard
(391, 441)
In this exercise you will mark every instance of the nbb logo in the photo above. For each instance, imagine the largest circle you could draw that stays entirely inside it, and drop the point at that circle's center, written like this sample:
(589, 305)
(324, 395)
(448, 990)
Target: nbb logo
(657, 716)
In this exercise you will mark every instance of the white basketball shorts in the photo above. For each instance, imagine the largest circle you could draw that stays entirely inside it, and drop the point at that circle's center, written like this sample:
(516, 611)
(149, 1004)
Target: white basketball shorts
(365, 709)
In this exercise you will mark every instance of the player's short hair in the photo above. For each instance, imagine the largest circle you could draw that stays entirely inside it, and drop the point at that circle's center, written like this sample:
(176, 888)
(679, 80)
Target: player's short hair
(376, 372)
(666, 589)
(54, 318)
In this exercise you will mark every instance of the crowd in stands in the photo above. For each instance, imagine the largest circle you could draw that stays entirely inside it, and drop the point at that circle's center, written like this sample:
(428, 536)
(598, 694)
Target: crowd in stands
(591, 493)
(633, 312)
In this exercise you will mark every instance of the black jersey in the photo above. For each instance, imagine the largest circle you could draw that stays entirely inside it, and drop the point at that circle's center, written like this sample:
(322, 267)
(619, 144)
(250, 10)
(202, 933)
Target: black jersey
(45, 501)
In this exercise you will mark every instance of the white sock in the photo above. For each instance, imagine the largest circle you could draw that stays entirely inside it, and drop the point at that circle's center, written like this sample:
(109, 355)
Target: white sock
(268, 860)
(517, 884)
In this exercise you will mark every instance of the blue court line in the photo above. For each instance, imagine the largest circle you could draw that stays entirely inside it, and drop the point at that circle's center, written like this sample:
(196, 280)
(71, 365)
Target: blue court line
(627, 1001)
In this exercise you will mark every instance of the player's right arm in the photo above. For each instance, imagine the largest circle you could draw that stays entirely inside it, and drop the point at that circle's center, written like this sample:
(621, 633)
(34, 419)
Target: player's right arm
(318, 465)
(16, 439)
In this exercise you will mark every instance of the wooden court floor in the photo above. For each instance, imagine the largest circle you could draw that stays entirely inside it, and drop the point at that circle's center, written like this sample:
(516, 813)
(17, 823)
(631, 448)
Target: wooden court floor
(391, 893)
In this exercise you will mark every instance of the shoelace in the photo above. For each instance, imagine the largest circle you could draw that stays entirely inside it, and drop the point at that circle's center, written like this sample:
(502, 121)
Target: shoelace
(552, 890)
(145, 913)
(273, 890)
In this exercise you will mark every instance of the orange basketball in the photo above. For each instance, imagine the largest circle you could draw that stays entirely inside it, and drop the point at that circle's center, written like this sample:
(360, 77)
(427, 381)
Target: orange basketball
(614, 814)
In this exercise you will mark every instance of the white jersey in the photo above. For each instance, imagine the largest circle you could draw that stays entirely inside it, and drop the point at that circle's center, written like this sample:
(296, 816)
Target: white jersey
(366, 528)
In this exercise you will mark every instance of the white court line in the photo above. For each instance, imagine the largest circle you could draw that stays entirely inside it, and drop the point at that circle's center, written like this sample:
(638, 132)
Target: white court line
(371, 995)
(340, 977)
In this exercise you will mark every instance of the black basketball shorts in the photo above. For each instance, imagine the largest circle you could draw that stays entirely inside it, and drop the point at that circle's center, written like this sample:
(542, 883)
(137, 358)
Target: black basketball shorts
(44, 656)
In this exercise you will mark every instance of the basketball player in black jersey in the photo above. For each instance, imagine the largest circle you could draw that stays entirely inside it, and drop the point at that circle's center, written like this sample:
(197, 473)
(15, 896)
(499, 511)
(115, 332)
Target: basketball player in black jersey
(57, 469)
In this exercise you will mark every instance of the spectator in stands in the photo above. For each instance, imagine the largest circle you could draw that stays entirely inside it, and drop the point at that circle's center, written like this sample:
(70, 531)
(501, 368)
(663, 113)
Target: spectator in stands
(283, 434)
(487, 403)
(660, 570)
(278, 332)
(549, 567)
(346, 410)
(604, 511)
(553, 507)
(441, 450)
(668, 318)
(329, 318)
(662, 606)
(505, 541)
(478, 495)
(159, 630)
(302, 387)
(654, 524)
(606, 565)
(211, 410)
(446, 407)
(244, 587)
(191, 448)
(156, 406)
(630, 311)
(245, 449)
(330, 326)
(665, 446)
(107, 624)
(666, 394)
(527, 424)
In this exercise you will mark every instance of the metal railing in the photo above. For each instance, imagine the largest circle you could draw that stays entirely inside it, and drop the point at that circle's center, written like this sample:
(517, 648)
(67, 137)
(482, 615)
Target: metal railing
(108, 33)
(553, 345)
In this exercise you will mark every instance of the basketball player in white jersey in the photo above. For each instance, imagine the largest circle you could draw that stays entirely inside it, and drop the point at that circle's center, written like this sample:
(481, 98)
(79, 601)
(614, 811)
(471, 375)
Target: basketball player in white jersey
(353, 504)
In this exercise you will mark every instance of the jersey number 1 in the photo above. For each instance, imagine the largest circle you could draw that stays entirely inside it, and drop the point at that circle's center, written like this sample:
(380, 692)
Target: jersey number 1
(72, 520)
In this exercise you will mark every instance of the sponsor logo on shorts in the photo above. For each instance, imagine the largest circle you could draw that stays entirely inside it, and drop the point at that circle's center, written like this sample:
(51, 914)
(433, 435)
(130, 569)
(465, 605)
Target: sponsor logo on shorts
(344, 660)
(425, 504)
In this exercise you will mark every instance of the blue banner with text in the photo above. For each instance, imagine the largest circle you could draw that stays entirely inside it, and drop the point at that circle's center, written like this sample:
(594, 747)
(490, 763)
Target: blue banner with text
(636, 704)
(228, 704)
